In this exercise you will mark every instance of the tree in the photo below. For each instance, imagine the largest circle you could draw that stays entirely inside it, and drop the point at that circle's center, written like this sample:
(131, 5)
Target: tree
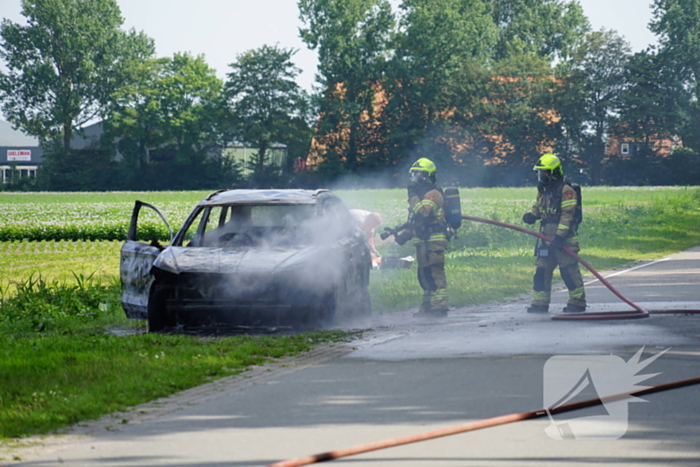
(65, 64)
(435, 40)
(508, 114)
(170, 113)
(649, 112)
(136, 120)
(547, 28)
(588, 100)
(352, 38)
(677, 25)
(265, 102)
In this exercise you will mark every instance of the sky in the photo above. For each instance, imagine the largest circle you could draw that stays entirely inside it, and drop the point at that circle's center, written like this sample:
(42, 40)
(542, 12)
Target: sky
(224, 29)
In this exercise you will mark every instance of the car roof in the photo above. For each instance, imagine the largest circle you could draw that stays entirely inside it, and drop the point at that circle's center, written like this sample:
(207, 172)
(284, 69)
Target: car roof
(288, 196)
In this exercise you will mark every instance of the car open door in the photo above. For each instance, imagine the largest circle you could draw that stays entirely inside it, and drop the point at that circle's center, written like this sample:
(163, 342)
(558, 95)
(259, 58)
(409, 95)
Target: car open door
(137, 258)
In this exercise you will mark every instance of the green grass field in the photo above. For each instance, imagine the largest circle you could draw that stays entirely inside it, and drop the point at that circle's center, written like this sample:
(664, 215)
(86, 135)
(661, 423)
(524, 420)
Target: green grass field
(59, 300)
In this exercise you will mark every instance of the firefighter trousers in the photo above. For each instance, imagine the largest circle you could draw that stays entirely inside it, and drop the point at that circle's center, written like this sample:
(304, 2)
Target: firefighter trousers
(570, 273)
(431, 275)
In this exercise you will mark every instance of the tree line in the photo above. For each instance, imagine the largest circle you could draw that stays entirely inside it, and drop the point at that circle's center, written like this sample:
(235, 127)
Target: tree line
(480, 86)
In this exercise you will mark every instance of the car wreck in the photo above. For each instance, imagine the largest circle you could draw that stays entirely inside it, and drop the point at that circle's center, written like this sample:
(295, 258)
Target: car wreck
(246, 258)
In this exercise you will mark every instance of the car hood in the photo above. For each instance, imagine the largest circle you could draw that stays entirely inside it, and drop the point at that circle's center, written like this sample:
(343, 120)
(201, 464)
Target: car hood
(179, 260)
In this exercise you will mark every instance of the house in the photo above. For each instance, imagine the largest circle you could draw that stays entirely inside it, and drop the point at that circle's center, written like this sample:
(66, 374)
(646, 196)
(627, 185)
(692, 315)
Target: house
(276, 155)
(20, 155)
(628, 147)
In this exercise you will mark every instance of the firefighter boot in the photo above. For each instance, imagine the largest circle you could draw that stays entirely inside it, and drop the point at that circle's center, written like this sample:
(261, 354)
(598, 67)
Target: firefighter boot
(574, 309)
(538, 308)
(424, 311)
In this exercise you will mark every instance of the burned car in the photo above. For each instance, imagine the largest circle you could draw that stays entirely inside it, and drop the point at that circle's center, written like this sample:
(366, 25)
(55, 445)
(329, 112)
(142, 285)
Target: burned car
(249, 258)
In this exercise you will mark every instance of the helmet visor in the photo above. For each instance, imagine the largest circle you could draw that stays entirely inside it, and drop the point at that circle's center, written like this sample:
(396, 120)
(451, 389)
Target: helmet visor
(544, 176)
(417, 176)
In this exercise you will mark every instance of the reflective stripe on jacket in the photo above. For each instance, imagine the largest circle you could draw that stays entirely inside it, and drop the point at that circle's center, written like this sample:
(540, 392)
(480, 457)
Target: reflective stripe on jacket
(427, 217)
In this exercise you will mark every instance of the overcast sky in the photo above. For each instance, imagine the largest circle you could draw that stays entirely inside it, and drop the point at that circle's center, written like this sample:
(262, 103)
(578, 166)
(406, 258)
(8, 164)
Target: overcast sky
(223, 29)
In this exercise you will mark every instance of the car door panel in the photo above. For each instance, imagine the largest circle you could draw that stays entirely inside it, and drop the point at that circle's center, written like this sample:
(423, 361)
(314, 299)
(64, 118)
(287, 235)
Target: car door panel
(136, 260)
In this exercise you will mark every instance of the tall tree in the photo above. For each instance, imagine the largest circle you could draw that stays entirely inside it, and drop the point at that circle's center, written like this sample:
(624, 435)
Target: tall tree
(135, 120)
(265, 102)
(548, 28)
(352, 38)
(677, 25)
(649, 114)
(589, 99)
(508, 114)
(172, 105)
(650, 108)
(65, 64)
(435, 40)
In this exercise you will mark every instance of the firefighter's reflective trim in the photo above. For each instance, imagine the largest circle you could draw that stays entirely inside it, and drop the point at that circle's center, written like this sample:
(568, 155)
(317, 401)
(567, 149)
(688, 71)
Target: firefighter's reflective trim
(425, 202)
(550, 212)
(439, 298)
(562, 227)
(571, 202)
(577, 294)
(438, 237)
(438, 233)
(541, 298)
(573, 239)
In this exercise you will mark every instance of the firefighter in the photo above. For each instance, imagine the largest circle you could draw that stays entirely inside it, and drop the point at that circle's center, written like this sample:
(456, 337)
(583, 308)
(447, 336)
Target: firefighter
(367, 221)
(427, 223)
(556, 208)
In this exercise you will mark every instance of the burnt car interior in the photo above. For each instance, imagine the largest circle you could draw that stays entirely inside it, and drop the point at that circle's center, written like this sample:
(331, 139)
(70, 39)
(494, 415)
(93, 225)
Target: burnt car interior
(252, 225)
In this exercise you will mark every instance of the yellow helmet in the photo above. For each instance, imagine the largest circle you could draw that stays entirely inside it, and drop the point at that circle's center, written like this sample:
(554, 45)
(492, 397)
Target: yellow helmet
(425, 168)
(548, 168)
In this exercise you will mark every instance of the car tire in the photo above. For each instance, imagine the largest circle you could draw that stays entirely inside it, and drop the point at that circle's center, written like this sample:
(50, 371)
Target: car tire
(328, 310)
(158, 317)
(364, 304)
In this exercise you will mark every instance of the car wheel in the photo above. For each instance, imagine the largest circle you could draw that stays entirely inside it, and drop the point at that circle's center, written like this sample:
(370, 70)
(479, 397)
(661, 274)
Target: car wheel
(158, 316)
(364, 304)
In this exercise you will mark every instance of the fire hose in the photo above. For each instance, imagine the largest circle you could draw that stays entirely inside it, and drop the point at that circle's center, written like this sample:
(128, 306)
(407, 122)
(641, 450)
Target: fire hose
(516, 417)
(478, 425)
(639, 313)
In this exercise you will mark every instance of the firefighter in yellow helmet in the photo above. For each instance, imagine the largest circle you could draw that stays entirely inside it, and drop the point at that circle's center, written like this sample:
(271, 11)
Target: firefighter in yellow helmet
(427, 222)
(556, 209)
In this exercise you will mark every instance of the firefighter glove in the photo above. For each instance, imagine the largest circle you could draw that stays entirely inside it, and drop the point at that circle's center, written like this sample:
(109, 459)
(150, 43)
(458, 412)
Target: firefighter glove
(529, 218)
(557, 242)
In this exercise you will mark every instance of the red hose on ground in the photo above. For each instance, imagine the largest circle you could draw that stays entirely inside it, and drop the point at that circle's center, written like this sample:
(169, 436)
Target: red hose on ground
(473, 426)
(640, 313)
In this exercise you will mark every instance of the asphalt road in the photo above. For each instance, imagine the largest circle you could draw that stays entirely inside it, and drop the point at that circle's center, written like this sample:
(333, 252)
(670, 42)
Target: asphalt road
(409, 376)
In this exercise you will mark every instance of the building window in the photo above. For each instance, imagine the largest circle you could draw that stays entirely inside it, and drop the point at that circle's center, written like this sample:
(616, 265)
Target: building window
(625, 149)
(10, 174)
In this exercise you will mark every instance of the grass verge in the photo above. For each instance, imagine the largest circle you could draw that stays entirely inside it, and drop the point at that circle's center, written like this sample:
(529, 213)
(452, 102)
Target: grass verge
(51, 382)
(68, 354)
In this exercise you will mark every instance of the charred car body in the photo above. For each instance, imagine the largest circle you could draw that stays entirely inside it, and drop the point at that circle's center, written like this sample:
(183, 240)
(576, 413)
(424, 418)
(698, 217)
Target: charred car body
(248, 258)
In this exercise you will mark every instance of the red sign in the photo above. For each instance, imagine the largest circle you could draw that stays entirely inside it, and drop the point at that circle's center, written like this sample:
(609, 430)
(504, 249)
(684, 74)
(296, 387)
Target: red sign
(19, 155)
